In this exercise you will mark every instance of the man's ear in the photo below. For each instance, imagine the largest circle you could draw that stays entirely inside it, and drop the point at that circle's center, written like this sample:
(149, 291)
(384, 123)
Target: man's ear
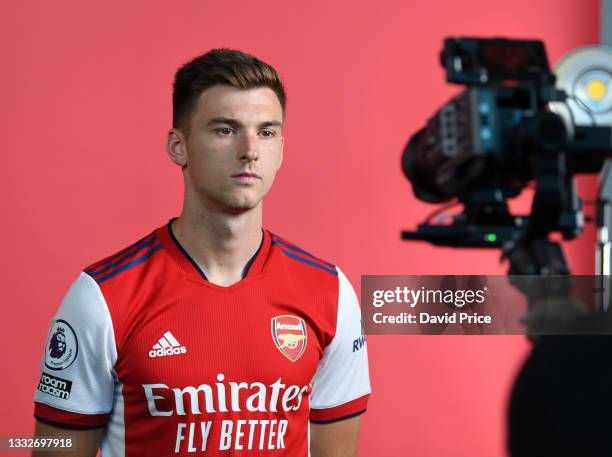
(282, 150)
(176, 146)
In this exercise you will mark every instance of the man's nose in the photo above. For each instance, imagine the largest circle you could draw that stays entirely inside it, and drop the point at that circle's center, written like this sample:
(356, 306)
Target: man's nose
(249, 149)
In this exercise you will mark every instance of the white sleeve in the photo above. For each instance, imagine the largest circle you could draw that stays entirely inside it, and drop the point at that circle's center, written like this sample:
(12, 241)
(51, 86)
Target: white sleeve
(77, 371)
(341, 385)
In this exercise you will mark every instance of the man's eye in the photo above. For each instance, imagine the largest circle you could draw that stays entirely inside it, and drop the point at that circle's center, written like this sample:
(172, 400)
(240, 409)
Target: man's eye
(224, 131)
(267, 133)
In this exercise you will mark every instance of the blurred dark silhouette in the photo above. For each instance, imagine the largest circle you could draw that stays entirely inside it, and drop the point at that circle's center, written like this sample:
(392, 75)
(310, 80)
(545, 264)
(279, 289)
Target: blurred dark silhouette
(561, 403)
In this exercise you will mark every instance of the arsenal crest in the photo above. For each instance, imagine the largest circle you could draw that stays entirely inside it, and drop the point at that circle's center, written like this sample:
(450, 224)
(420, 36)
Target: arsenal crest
(289, 335)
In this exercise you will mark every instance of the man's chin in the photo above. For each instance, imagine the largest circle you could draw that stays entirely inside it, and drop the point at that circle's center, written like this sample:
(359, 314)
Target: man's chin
(232, 203)
(240, 206)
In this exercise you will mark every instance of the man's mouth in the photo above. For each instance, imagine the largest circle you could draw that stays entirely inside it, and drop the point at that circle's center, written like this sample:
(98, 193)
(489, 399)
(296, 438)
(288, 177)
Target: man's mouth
(246, 177)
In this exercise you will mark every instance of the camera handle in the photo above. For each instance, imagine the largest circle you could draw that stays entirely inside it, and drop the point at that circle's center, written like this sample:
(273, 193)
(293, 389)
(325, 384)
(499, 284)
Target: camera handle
(535, 256)
(549, 303)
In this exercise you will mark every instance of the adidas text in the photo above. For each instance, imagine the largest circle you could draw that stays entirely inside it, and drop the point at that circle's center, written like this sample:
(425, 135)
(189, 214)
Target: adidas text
(168, 351)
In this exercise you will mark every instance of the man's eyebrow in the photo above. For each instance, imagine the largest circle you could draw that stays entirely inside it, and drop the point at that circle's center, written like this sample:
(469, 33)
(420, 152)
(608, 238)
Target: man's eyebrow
(271, 124)
(236, 123)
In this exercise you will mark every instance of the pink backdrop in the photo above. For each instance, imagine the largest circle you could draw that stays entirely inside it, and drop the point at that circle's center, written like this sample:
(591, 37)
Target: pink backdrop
(87, 103)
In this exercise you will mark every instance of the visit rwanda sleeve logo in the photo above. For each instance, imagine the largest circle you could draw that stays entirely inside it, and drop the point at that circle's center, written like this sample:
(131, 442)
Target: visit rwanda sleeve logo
(289, 336)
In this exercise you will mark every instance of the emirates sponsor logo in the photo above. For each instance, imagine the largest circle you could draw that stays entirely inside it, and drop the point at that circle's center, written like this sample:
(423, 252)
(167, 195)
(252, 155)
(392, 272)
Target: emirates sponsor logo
(166, 346)
(197, 405)
(223, 397)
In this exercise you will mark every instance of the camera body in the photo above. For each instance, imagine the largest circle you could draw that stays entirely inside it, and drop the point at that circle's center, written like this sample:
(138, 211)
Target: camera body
(494, 138)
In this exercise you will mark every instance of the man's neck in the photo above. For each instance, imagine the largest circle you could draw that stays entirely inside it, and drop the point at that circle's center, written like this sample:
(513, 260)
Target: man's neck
(221, 244)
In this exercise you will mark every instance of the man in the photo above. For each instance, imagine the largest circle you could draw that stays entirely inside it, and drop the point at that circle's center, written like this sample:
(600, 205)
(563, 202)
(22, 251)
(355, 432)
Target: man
(211, 336)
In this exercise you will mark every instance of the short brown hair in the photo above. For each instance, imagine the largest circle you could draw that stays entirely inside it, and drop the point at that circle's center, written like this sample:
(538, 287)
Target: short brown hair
(219, 66)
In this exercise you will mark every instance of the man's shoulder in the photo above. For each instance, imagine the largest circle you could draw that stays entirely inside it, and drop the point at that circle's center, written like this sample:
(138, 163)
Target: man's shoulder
(302, 260)
(115, 265)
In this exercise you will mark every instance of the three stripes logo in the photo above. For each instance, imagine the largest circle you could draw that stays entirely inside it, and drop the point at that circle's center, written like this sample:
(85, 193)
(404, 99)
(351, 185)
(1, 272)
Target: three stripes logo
(167, 345)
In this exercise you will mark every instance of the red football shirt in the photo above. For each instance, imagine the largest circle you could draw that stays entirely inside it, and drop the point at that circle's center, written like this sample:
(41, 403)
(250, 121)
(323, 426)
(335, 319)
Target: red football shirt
(171, 363)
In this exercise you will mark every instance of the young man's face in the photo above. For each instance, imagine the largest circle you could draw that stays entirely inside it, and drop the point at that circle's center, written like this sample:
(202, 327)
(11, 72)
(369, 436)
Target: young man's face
(234, 147)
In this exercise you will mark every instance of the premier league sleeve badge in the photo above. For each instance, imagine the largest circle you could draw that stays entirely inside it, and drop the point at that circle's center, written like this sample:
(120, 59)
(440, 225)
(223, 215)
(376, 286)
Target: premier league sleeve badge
(62, 346)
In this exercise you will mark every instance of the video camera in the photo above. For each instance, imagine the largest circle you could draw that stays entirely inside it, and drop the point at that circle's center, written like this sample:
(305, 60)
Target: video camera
(496, 137)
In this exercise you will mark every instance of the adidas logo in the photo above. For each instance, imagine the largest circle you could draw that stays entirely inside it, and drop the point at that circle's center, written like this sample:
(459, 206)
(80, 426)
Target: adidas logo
(167, 345)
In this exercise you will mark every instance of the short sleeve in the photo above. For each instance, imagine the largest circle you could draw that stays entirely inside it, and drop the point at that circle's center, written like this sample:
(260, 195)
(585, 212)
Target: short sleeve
(77, 376)
(341, 385)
